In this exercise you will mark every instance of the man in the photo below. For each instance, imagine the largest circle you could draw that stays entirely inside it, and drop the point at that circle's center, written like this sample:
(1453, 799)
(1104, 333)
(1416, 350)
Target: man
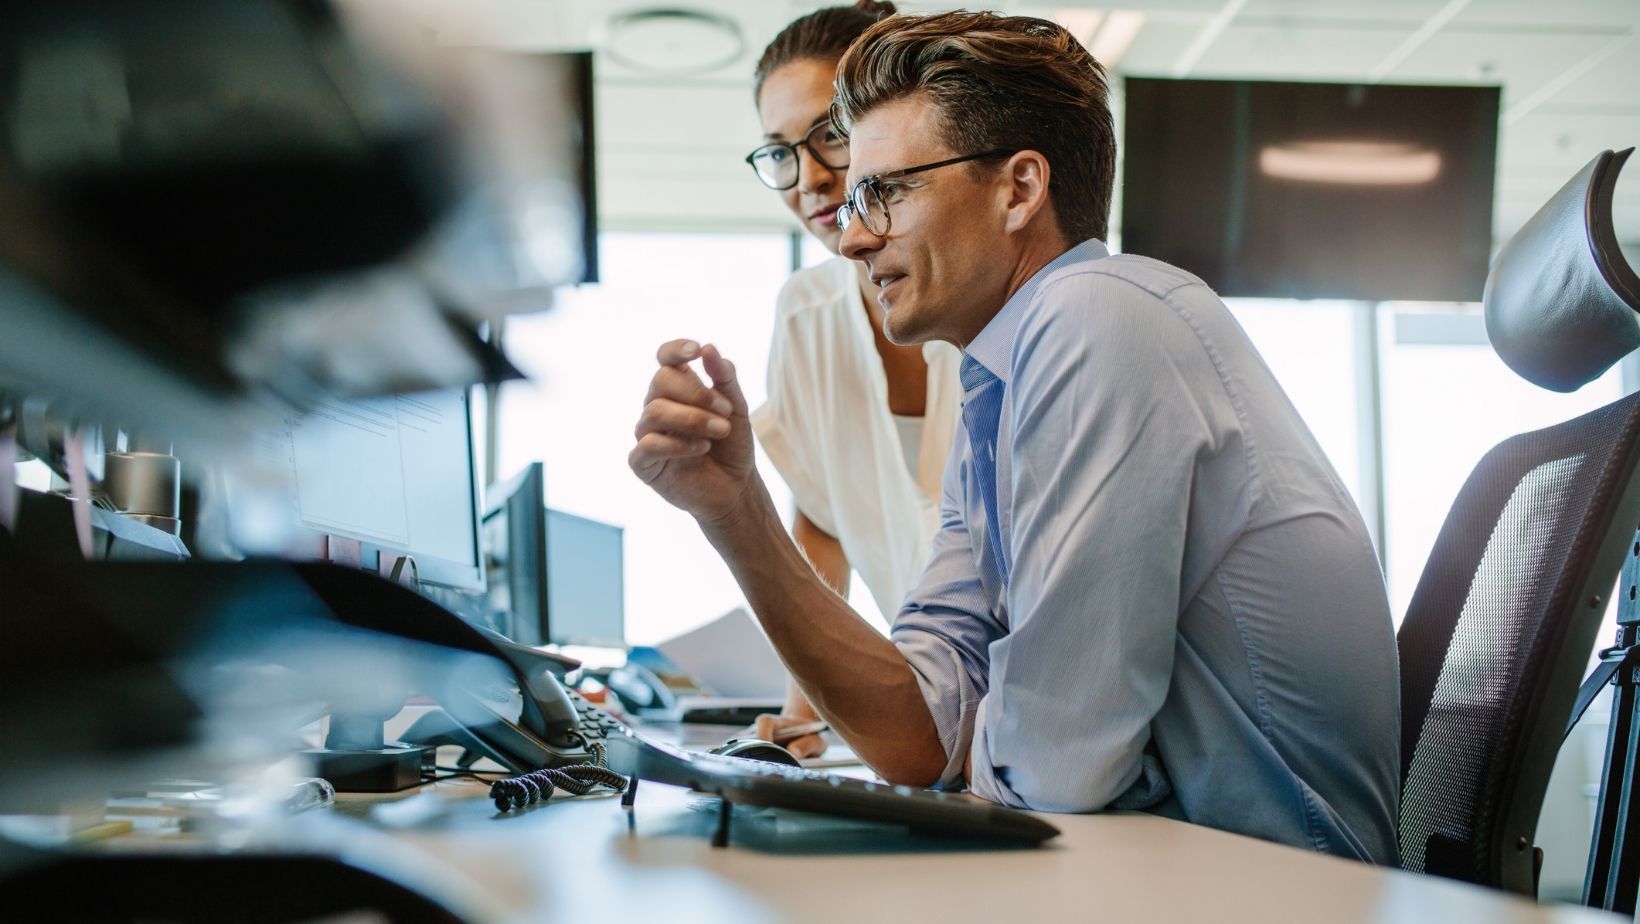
(1149, 589)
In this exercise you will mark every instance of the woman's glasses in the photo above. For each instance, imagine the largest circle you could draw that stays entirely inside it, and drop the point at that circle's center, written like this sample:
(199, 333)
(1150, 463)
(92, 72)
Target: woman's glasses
(775, 163)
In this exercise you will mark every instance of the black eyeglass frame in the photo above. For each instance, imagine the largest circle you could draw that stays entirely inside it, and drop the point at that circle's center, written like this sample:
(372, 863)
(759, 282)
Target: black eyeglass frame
(855, 203)
(792, 146)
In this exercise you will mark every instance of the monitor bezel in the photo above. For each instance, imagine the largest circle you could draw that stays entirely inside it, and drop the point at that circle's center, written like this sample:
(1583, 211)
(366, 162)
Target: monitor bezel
(523, 495)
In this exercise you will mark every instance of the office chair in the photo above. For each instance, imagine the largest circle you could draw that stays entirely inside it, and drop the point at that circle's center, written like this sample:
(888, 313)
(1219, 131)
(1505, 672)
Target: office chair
(1500, 628)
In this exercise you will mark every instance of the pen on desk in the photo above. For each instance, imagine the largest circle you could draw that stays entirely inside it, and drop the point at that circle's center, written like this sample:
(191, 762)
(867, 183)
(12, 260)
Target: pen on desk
(794, 732)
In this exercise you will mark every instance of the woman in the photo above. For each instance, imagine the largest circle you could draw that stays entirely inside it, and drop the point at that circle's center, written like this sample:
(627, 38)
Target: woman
(858, 427)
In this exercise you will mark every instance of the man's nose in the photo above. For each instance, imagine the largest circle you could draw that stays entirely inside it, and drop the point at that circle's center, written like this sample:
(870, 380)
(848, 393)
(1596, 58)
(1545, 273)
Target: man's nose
(856, 242)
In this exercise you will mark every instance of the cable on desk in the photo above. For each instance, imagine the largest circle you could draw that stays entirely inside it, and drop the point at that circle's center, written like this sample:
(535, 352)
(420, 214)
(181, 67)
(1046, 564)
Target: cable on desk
(580, 779)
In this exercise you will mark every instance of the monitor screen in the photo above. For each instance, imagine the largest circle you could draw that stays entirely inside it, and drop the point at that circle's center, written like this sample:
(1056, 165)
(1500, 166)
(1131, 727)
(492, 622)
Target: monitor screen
(586, 578)
(397, 474)
(553, 577)
(515, 555)
(1312, 190)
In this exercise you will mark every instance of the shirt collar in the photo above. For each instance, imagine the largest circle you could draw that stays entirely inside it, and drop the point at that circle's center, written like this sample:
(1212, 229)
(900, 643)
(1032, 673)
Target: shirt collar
(994, 347)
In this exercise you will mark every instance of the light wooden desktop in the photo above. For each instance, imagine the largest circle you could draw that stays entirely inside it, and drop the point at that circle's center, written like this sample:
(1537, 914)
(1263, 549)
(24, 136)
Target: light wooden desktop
(589, 859)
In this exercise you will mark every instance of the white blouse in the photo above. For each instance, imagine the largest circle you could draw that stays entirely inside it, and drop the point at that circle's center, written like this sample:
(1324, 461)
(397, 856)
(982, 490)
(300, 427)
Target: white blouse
(828, 431)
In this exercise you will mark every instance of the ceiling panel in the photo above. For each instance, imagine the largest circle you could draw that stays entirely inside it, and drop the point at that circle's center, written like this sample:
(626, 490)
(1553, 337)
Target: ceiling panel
(1520, 62)
(1415, 12)
(1198, 10)
(1540, 15)
(1614, 82)
(1297, 52)
(1564, 139)
(1157, 48)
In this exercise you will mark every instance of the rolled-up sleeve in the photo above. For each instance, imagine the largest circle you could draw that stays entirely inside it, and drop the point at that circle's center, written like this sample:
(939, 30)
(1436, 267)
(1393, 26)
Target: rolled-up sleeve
(946, 626)
(1109, 421)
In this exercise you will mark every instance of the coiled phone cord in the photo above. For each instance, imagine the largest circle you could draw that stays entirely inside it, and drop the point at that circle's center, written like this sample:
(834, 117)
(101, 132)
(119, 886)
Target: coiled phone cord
(520, 791)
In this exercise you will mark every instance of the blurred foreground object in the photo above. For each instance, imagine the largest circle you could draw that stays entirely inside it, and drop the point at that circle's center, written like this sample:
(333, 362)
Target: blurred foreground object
(209, 209)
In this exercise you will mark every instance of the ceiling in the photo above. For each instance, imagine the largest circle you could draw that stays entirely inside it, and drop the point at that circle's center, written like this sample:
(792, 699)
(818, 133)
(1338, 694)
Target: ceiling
(670, 147)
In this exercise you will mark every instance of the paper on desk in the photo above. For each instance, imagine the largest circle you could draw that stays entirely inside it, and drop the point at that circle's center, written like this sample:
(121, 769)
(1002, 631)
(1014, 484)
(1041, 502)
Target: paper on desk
(729, 656)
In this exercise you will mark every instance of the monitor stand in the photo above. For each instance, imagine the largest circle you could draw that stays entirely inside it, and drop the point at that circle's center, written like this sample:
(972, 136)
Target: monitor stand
(356, 758)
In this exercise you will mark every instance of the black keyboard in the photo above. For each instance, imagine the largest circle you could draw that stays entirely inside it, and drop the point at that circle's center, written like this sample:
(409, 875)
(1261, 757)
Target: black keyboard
(754, 782)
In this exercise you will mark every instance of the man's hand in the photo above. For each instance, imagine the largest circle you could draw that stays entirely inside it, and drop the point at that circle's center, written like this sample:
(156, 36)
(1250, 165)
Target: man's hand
(695, 443)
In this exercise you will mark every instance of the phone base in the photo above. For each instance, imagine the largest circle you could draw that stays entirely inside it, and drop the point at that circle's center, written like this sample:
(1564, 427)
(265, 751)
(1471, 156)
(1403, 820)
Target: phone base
(387, 769)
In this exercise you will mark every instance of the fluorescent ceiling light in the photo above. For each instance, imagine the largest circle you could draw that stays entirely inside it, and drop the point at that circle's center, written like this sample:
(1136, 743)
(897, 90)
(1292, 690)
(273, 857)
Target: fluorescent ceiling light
(673, 42)
(1352, 163)
(1112, 42)
(1080, 23)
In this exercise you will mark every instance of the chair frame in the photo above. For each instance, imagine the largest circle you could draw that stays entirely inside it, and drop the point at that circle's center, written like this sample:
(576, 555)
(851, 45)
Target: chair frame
(1514, 858)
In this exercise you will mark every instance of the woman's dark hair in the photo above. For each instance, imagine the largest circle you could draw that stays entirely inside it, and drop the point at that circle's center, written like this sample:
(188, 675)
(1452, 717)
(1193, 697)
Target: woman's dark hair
(824, 33)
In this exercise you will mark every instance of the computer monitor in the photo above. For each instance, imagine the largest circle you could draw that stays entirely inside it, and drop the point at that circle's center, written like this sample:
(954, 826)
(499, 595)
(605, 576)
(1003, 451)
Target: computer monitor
(579, 67)
(553, 576)
(586, 578)
(1313, 190)
(397, 474)
(515, 555)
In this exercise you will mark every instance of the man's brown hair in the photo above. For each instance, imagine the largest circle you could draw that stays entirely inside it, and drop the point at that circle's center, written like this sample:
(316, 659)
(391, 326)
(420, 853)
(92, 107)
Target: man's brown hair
(1010, 82)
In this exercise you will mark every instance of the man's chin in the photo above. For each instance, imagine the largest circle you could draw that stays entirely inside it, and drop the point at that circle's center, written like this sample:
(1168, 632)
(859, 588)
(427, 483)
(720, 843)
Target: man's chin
(900, 328)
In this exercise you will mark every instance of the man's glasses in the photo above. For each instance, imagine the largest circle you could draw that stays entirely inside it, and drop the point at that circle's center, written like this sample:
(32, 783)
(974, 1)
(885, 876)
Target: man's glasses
(775, 163)
(868, 200)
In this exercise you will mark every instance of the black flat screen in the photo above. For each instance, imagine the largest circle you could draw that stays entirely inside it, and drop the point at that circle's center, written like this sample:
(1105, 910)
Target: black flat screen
(1312, 190)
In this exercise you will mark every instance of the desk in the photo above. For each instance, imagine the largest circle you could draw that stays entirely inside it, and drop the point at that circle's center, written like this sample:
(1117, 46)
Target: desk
(586, 859)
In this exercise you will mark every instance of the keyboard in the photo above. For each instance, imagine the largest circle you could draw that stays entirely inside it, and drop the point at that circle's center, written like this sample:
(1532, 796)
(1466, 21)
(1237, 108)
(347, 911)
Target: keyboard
(754, 782)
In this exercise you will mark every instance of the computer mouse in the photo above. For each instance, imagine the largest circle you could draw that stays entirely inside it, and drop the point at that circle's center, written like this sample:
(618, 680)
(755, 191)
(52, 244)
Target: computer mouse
(756, 749)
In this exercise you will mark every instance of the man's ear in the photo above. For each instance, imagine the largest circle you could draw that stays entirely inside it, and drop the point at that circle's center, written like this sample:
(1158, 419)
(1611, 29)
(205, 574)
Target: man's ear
(1027, 175)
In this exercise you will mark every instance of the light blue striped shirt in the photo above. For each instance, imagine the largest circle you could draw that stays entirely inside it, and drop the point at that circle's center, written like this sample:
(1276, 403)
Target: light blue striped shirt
(1193, 620)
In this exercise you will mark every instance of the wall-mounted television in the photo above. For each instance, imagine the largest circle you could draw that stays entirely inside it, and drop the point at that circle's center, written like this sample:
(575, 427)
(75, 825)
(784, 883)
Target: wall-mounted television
(1313, 190)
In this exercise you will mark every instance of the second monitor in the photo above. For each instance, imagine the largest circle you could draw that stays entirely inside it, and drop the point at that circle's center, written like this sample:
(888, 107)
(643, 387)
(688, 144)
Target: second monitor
(553, 577)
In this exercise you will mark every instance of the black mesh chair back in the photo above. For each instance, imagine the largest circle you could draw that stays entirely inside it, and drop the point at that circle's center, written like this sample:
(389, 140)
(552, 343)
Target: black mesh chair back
(1498, 636)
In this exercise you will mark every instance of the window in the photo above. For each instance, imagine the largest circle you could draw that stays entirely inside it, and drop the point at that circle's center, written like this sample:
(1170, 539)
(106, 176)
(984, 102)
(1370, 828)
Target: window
(1447, 400)
(590, 360)
(1310, 348)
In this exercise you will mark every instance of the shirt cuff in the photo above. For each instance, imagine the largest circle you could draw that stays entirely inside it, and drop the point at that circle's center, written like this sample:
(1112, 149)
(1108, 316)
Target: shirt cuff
(949, 694)
(987, 781)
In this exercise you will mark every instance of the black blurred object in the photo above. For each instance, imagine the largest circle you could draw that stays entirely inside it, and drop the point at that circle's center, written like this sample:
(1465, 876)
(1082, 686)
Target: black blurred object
(46, 523)
(756, 749)
(108, 661)
(1561, 300)
(205, 889)
(639, 689)
(726, 715)
(172, 172)
(1312, 190)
